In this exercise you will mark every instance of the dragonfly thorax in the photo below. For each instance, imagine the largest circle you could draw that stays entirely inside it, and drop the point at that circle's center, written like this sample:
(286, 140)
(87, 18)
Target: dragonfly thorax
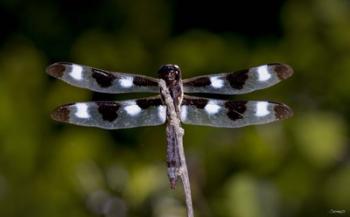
(170, 73)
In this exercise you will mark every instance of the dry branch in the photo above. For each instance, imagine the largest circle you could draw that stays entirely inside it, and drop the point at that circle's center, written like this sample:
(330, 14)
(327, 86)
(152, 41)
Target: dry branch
(174, 120)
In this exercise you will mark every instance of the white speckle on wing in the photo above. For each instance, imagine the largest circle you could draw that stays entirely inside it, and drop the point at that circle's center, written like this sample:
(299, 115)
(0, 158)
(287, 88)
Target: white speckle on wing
(261, 109)
(77, 72)
(263, 73)
(216, 82)
(126, 81)
(183, 112)
(132, 109)
(82, 110)
(162, 113)
(212, 108)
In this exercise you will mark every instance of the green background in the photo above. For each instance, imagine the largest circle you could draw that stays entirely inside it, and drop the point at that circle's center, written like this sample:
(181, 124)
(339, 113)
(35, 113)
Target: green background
(297, 167)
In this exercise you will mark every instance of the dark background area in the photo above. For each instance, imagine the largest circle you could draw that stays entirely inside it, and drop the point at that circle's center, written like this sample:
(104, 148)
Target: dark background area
(298, 167)
(246, 19)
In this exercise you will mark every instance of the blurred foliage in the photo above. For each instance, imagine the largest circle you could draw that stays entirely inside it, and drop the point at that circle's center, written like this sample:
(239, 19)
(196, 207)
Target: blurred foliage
(298, 167)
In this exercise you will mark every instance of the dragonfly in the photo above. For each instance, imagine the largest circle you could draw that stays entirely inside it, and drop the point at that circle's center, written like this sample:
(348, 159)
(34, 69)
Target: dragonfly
(152, 111)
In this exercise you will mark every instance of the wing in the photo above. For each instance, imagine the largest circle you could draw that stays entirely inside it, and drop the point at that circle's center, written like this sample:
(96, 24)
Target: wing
(113, 114)
(101, 80)
(239, 82)
(231, 114)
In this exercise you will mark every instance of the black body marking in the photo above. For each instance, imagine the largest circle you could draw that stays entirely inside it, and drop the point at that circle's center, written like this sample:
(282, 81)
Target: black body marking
(237, 79)
(235, 109)
(103, 78)
(108, 110)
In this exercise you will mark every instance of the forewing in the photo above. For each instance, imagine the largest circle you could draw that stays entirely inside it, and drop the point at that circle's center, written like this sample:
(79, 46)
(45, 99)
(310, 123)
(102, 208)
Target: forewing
(113, 114)
(240, 82)
(102, 80)
(231, 114)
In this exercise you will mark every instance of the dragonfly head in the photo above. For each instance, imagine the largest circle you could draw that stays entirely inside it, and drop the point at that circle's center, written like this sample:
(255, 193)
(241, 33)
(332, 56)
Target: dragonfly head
(170, 73)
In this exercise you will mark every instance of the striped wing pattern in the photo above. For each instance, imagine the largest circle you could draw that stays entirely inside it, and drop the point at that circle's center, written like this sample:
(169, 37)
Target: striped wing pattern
(102, 80)
(151, 111)
(240, 82)
(113, 114)
(231, 114)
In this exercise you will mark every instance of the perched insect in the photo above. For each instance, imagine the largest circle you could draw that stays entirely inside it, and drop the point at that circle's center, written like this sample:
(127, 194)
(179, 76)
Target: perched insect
(153, 111)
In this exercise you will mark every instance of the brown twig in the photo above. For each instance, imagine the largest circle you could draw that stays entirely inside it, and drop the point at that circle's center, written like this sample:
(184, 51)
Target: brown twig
(179, 131)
